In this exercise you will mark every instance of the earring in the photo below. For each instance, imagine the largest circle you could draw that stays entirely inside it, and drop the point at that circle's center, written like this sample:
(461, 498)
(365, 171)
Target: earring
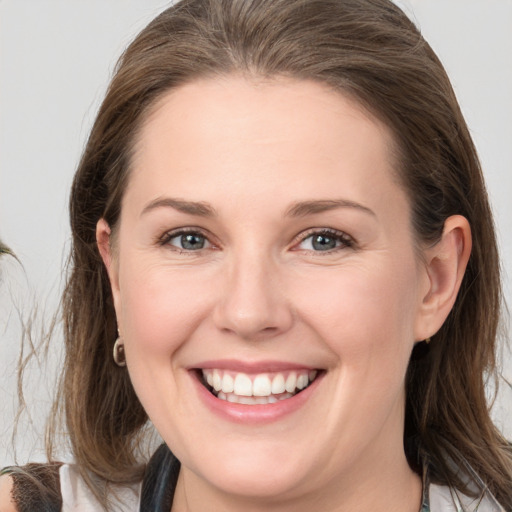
(118, 353)
(428, 340)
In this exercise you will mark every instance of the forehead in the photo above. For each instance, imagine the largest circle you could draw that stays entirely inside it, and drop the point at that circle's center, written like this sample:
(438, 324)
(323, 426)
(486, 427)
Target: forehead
(279, 100)
(252, 133)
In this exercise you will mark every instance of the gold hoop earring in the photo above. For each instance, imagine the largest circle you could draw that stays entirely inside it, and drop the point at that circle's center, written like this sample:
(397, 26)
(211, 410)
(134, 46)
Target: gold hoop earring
(118, 353)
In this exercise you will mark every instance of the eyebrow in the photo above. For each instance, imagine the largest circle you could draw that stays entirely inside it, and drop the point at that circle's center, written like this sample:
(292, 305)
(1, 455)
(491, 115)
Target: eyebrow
(299, 209)
(198, 208)
(304, 208)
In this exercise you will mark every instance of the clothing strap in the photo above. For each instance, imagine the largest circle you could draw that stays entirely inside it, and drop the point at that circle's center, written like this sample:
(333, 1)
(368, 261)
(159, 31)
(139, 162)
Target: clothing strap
(159, 481)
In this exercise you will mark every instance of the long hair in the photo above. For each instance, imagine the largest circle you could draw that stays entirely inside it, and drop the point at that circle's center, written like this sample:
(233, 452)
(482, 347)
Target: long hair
(370, 51)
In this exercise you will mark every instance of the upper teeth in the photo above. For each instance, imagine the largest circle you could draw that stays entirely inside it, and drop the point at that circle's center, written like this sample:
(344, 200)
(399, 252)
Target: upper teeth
(262, 384)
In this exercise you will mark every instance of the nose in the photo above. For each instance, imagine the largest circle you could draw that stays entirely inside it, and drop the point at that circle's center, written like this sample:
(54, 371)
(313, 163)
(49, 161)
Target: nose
(252, 302)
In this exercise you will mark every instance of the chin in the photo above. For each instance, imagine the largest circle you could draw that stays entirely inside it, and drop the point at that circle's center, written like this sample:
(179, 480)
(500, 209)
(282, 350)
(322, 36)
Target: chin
(265, 479)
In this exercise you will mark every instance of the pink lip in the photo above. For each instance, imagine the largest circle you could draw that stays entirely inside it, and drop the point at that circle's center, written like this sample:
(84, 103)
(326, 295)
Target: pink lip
(250, 366)
(254, 414)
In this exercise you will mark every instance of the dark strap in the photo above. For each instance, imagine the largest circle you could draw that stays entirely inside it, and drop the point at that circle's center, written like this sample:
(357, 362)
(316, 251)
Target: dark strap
(36, 487)
(159, 482)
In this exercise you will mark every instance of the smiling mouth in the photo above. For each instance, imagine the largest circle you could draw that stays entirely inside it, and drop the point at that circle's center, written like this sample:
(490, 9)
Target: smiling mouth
(257, 389)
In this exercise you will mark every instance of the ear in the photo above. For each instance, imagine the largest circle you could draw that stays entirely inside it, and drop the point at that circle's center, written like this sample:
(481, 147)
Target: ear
(445, 264)
(104, 241)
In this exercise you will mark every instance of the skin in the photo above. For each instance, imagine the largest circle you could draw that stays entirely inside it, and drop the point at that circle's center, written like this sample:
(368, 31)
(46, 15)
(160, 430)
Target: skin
(258, 290)
(6, 500)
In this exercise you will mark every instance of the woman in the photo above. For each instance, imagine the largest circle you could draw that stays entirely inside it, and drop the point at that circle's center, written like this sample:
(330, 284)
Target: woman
(284, 257)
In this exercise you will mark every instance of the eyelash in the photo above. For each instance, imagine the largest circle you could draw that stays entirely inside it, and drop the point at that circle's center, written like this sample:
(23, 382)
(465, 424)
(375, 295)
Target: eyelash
(345, 241)
(168, 236)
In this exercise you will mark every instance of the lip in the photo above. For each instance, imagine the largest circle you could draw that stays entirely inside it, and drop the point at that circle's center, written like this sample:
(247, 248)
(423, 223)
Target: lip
(250, 367)
(253, 414)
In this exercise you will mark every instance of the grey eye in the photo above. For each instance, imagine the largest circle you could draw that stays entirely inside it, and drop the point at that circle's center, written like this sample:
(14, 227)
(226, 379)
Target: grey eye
(189, 241)
(323, 242)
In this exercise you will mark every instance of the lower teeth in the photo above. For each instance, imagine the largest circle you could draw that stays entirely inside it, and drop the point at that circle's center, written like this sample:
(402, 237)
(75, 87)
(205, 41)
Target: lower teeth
(253, 400)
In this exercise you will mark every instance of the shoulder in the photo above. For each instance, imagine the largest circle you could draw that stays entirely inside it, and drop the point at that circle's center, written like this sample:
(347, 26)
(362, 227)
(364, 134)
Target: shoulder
(54, 487)
(76, 495)
(442, 497)
(6, 499)
(31, 487)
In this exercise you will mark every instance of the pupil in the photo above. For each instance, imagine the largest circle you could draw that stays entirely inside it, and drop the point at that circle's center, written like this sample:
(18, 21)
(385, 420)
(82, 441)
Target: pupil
(323, 243)
(192, 241)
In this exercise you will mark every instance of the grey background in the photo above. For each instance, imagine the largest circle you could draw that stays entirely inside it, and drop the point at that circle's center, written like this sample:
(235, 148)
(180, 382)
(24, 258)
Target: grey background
(56, 57)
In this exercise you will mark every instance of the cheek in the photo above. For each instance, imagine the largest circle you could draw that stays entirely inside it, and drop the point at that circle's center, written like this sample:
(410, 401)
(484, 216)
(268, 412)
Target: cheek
(160, 311)
(160, 308)
(366, 314)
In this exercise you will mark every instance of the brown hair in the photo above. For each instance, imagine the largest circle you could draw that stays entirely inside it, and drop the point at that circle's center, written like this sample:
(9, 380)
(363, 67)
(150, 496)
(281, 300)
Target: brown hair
(371, 51)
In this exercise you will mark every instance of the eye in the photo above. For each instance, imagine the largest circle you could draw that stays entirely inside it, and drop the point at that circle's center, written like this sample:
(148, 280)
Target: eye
(186, 240)
(325, 240)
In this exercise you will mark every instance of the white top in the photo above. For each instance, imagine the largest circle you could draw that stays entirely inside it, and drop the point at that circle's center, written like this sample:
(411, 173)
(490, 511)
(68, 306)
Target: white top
(76, 496)
(445, 499)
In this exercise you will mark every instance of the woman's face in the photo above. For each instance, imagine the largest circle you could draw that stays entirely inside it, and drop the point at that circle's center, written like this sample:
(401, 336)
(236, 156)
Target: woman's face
(265, 246)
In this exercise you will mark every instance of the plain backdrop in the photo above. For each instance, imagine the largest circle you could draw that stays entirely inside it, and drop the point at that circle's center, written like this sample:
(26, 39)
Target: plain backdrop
(56, 57)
